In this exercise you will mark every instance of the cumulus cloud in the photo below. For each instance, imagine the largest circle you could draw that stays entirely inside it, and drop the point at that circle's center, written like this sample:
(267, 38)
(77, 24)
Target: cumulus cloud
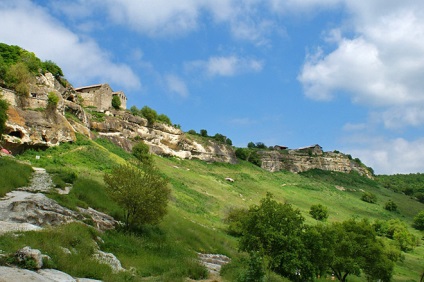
(226, 66)
(389, 156)
(176, 85)
(83, 61)
(381, 65)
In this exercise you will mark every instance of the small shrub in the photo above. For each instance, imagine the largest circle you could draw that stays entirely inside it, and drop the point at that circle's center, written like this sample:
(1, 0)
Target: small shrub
(369, 197)
(52, 99)
(390, 206)
(116, 102)
(419, 221)
(319, 212)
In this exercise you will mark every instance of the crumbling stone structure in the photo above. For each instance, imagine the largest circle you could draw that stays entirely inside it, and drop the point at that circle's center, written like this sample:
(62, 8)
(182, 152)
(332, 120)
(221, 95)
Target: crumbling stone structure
(100, 96)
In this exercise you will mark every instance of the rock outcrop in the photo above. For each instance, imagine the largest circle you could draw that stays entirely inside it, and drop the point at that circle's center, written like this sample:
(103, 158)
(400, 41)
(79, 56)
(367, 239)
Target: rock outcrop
(300, 161)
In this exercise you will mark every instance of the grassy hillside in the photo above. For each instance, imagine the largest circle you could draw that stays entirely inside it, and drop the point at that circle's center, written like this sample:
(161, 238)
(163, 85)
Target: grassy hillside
(200, 200)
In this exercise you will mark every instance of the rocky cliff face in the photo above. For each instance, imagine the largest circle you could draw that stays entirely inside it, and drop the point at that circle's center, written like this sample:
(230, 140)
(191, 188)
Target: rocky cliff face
(32, 123)
(298, 161)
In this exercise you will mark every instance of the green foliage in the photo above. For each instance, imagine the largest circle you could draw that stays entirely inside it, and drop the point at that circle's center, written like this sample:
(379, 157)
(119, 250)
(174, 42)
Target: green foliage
(319, 212)
(18, 78)
(234, 220)
(355, 248)
(250, 155)
(52, 99)
(192, 131)
(408, 184)
(203, 133)
(162, 118)
(116, 102)
(390, 206)
(141, 152)
(396, 230)
(369, 197)
(142, 193)
(273, 230)
(419, 221)
(53, 68)
(149, 114)
(13, 175)
(255, 269)
(3, 115)
(113, 148)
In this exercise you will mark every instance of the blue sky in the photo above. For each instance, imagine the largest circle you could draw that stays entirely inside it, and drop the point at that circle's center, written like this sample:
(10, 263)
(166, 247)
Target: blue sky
(346, 74)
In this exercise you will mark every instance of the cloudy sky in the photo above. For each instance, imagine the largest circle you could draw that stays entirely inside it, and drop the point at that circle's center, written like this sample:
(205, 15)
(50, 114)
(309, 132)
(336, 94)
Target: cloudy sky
(346, 74)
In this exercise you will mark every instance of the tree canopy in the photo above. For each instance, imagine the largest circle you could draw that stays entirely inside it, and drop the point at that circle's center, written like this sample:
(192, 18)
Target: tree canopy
(300, 252)
(141, 191)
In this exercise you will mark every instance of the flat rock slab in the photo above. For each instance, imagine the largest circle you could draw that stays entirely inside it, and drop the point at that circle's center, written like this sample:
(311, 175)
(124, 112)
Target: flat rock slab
(35, 209)
(13, 274)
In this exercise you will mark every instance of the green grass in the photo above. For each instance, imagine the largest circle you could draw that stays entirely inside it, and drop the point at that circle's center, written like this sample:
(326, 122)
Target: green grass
(9, 170)
(200, 201)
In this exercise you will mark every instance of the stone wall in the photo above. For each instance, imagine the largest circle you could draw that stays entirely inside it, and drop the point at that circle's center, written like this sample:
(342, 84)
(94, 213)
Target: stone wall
(98, 96)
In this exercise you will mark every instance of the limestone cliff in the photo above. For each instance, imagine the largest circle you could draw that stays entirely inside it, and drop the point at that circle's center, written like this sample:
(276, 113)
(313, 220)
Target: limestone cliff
(33, 123)
(299, 161)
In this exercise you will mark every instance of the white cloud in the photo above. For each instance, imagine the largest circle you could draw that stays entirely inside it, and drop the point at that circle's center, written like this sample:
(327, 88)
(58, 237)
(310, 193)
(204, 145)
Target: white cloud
(380, 66)
(392, 156)
(176, 85)
(227, 66)
(83, 61)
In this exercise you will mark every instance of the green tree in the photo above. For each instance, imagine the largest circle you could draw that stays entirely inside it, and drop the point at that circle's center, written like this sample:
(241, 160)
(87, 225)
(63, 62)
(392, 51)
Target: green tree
(355, 248)
(203, 133)
(51, 67)
(116, 102)
(141, 192)
(164, 119)
(149, 114)
(142, 152)
(18, 78)
(390, 206)
(369, 197)
(3, 115)
(319, 212)
(274, 231)
(419, 221)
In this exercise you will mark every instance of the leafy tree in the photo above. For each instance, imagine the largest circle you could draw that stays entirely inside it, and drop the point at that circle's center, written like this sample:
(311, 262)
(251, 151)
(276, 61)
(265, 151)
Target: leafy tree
(150, 114)
(369, 197)
(164, 119)
(203, 133)
(229, 142)
(192, 131)
(51, 67)
(3, 115)
(142, 152)
(234, 220)
(390, 206)
(319, 212)
(419, 221)
(141, 192)
(249, 155)
(273, 230)
(251, 145)
(260, 145)
(116, 102)
(135, 111)
(396, 230)
(18, 78)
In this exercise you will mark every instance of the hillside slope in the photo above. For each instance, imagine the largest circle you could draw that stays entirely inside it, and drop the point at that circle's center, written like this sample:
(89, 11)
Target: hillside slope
(201, 199)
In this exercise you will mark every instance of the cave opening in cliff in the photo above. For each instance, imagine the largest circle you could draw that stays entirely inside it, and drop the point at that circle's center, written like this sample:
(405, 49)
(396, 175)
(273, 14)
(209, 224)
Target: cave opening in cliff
(16, 133)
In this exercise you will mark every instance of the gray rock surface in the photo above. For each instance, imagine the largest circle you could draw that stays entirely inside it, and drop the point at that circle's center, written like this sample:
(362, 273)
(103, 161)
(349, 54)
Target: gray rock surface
(213, 262)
